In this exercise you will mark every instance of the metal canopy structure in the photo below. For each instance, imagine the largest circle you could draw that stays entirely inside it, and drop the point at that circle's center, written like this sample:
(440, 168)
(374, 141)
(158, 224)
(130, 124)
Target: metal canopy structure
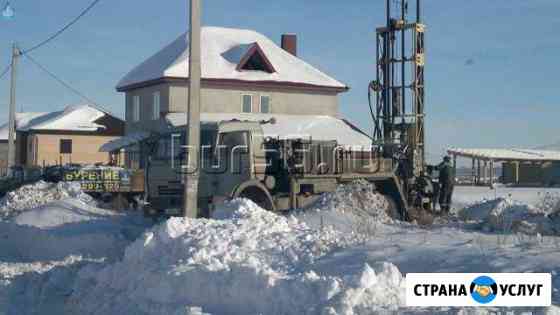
(483, 160)
(507, 155)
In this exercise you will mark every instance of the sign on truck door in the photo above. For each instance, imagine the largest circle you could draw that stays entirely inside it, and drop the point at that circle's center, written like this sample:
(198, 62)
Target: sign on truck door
(100, 179)
(234, 158)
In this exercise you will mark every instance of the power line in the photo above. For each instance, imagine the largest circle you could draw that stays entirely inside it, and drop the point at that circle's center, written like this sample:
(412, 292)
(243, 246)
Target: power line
(54, 36)
(67, 26)
(66, 85)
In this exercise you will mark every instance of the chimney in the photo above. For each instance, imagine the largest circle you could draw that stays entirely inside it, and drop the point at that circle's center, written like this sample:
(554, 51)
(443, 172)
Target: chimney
(289, 43)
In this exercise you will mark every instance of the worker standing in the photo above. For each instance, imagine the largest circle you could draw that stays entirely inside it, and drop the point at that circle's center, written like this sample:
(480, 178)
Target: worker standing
(446, 183)
(435, 185)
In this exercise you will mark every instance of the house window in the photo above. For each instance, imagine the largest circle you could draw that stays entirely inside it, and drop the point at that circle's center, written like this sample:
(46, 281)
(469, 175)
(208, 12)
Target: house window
(255, 60)
(65, 146)
(247, 103)
(136, 108)
(156, 107)
(265, 104)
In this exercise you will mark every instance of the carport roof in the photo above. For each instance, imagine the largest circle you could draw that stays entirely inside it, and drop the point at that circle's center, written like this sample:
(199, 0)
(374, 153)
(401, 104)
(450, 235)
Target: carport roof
(504, 155)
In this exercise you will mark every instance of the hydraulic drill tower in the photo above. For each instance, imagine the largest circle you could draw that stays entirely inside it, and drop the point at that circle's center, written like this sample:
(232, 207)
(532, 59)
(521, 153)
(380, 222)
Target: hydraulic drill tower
(399, 89)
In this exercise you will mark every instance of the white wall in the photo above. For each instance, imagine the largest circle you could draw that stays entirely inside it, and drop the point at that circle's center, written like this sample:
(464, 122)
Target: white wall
(224, 99)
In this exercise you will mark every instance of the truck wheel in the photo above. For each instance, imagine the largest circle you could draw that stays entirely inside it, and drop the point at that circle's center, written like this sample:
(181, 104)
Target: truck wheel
(255, 193)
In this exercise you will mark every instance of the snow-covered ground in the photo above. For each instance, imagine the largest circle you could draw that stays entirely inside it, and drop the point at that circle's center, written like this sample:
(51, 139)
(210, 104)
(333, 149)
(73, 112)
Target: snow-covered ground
(342, 256)
(48, 232)
(466, 195)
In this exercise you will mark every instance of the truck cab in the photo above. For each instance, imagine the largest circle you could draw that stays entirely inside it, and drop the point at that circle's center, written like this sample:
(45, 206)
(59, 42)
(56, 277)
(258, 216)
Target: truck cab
(231, 154)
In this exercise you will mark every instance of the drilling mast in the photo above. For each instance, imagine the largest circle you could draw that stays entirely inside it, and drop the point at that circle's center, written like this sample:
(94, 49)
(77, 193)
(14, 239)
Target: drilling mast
(399, 114)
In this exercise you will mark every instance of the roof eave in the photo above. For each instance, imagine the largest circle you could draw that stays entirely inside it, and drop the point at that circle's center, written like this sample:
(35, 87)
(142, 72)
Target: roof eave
(261, 83)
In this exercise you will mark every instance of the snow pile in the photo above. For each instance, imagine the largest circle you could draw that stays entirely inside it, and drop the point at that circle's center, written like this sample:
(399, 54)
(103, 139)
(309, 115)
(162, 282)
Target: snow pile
(46, 221)
(9, 271)
(359, 198)
(38, 287)
(245, 261)
(44, 246)
(39, 194)
(60, 212)
(351, 208)
(508, 215)
(549, 202)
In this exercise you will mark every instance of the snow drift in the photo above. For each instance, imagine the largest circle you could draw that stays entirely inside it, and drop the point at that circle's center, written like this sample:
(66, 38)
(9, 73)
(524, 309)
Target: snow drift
(48, 232)
(508, 215)
(46, 221)
(244, 261)
(352, 208)
(38, 194)
(358, 198)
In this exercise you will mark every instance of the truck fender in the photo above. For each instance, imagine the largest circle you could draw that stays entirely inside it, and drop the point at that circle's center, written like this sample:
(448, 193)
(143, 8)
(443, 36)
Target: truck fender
(255, 191)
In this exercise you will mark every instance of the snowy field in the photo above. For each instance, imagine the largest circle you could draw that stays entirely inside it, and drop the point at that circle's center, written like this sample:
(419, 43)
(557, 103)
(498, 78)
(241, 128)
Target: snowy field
(61, 254)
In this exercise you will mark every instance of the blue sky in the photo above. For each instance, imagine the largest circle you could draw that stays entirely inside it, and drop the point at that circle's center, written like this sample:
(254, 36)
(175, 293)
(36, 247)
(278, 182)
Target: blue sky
(492, 66)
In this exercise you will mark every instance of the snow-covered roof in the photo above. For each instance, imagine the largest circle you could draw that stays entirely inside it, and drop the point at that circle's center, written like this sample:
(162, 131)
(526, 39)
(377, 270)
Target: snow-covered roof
(550, 147)
(322, 128)
(222, 51)
(22, 120)
(72, 118)
(508, 154)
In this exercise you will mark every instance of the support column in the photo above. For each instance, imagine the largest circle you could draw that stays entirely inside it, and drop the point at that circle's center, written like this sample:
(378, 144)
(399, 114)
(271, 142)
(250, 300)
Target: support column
(485, 172)
(473, 172)
(455, 164)
(455, 168)
(478, 172)
(12, 111)
(492, 170)
(191, 176)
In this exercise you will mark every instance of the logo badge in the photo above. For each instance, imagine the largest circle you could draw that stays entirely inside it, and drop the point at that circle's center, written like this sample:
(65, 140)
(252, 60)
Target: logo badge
(8, 12)
(479, 289)
(484, 289)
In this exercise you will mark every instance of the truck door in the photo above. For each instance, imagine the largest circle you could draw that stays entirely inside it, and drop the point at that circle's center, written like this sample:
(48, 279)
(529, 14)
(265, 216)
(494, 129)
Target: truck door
(233, 156)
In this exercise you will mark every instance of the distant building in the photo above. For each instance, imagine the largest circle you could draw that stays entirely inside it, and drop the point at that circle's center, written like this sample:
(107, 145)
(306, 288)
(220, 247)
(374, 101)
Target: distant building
(244, 74)
(22, 119)
(520, 167)
(73, 135)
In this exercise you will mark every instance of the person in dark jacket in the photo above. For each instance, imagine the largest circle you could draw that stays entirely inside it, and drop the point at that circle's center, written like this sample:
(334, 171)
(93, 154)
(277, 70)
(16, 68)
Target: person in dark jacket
(446, 183)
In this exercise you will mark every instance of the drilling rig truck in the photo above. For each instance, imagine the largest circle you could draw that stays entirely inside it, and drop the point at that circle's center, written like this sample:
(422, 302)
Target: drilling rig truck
(281, 174)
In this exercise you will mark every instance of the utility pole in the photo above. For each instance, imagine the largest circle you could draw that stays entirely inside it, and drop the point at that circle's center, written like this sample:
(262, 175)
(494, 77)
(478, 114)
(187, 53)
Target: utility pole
(192, 172)
(12, 114)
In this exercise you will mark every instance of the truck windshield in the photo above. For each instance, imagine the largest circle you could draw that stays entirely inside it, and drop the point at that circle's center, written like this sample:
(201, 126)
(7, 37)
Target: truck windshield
(171, 145)
(231, 140)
